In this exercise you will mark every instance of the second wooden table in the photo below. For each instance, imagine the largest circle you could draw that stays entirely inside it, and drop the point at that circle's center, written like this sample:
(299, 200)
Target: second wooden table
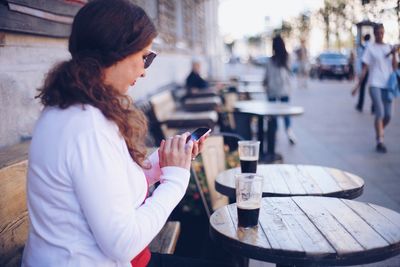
(297, 180)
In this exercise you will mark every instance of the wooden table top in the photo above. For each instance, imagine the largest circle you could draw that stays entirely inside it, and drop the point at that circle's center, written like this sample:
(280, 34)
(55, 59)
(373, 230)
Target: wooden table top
(311, 231)
(265, 108)
(297, 180)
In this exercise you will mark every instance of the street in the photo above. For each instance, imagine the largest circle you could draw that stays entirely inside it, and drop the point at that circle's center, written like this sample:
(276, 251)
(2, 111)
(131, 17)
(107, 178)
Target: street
(332, 133)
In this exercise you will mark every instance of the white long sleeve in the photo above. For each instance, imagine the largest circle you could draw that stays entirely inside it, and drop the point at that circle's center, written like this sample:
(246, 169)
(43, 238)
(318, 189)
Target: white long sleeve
(153, 174)
(85, 193)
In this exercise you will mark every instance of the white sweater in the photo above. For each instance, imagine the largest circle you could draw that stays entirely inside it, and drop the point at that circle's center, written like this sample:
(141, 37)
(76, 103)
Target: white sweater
(85, 194)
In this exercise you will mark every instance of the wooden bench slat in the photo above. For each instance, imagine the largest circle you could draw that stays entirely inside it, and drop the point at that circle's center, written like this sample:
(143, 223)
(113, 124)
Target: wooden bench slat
(165, 241)
(13, 211)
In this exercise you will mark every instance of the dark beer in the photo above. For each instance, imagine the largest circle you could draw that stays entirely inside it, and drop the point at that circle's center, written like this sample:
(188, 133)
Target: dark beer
(248, 217)
(248, 165)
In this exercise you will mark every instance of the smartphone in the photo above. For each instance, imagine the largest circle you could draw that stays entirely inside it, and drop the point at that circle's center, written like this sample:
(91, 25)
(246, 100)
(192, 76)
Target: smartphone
(198, 133)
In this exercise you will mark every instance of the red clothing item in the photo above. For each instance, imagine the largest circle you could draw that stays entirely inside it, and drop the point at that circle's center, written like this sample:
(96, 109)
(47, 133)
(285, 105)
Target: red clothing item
(142, 259)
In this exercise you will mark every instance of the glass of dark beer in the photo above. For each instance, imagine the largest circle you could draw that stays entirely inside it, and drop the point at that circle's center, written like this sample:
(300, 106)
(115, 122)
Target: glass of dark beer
(248, 154)
(248, 198)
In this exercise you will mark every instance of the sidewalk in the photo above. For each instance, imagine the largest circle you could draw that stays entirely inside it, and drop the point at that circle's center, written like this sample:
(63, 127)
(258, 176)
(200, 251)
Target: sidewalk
(332, 133)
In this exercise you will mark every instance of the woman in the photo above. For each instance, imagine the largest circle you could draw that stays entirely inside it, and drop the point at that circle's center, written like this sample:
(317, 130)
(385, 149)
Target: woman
(277, 80)
(88, 176)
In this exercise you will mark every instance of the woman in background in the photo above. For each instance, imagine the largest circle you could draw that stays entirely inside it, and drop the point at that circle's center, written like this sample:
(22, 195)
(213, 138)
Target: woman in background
(277, 80)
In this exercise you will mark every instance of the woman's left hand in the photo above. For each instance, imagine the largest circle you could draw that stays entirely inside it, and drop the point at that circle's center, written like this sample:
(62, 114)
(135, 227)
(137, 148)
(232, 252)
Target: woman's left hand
(198, 146)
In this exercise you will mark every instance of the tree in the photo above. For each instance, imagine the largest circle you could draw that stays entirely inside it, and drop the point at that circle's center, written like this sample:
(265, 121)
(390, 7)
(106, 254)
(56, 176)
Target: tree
(325, 13)
(338, 9)
(304, 24)
(285, 30)
(375, 9)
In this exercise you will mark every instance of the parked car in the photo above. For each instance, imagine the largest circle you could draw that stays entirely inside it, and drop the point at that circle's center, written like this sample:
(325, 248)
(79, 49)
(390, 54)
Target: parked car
(332, 64)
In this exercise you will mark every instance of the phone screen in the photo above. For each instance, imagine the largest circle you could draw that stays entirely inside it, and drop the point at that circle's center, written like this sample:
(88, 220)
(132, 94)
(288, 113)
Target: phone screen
(198, 133)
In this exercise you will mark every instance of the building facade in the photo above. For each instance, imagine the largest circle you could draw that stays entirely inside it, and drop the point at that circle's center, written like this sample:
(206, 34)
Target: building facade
(34, 37)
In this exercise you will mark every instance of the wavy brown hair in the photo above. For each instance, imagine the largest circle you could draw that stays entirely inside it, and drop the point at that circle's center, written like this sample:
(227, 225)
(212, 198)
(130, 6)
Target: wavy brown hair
(103, 33)
(280, 55)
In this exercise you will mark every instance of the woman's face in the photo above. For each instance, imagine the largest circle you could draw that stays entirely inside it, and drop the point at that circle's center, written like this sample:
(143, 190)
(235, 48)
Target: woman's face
(125, 73)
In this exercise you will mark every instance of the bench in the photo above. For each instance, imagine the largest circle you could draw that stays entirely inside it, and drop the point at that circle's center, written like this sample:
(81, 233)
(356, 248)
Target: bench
(170, 119)
(14, 221)
(202, 103)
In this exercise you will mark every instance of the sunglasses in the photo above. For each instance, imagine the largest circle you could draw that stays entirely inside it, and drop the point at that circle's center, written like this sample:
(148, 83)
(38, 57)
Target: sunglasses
(148, 59)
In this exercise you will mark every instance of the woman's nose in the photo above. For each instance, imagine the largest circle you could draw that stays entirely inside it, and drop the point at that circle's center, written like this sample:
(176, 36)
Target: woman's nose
(143, 74)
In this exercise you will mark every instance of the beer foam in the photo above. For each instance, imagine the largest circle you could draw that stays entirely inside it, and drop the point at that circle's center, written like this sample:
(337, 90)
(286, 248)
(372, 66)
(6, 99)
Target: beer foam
(249, 158)
(250, 204)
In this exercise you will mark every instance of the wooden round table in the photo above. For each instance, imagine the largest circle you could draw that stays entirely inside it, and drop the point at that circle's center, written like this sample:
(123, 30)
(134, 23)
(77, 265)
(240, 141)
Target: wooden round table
(297, 180)
(311, 231)
(262, 109)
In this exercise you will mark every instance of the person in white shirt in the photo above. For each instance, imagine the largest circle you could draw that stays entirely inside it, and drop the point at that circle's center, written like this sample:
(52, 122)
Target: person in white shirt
(88, 177)
(379, 60)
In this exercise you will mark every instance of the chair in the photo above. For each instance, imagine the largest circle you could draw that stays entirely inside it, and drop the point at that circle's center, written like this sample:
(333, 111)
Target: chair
(170, 119)
(214, 162)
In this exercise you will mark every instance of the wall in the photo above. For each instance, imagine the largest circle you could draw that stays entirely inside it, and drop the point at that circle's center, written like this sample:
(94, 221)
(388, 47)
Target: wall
(187, 29)
(24, 61)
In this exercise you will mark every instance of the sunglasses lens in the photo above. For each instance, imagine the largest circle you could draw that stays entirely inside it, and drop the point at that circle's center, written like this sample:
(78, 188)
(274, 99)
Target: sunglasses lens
(149, 59)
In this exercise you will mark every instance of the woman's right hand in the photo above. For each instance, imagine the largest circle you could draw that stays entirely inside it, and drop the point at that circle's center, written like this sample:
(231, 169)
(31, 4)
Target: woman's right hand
(176, 152)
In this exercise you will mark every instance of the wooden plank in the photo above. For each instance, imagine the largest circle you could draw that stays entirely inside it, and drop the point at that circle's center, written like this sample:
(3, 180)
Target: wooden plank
(13, 154)
(307, 182)
(12, 240)
(323, 179)
(222, 222)
(12, 192)
(277, 231)
(213, 156)
(290, 173)
(61, 7)
(15, 21)
(344, 179)
(166, 239)
(13, 212)
(328, 225)
(267, 181)
(311, 240)
(358, 180)
(252, 236)
(361, 231)
(278, 182)
(163, 105)
(226, 177)
(394, 217)
(374, 216)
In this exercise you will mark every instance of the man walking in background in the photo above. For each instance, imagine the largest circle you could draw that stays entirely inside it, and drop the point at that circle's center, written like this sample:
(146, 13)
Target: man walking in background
(380, 60)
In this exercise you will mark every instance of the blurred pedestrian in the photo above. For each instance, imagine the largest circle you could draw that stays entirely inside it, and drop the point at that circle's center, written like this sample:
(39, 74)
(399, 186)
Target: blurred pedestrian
(88, 176)
(194, 81)
(360, 53)
(302, 60)
(351, 65)
(277, 80)
(380, 60)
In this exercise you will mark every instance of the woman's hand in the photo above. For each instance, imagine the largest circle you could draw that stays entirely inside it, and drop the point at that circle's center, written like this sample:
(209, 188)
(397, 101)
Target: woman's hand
(176, 152)
(198, 146)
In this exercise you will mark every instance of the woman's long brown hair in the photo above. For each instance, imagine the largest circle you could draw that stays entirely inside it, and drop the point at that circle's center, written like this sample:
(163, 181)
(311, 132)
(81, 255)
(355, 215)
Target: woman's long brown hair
(103, 33)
